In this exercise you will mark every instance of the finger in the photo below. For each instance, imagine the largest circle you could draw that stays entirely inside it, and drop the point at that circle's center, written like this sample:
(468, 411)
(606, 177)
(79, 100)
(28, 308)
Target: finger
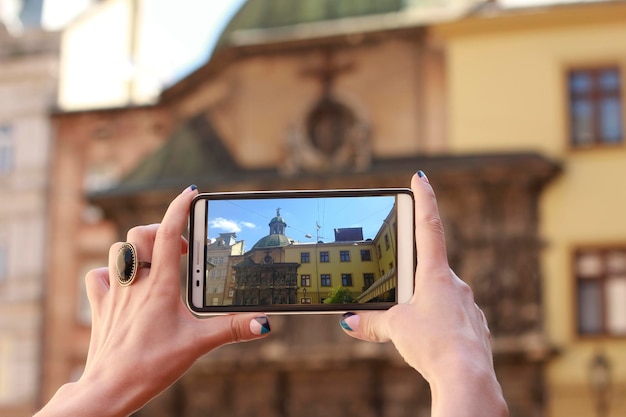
(429, 235)
(483, 319)
(167, 244)
(370, 326)
(232, 328)
(97, 285)
(184, 246)
(143, 238)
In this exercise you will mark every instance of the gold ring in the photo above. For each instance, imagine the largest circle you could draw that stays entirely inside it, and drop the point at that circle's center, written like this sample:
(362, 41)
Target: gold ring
(127, 264)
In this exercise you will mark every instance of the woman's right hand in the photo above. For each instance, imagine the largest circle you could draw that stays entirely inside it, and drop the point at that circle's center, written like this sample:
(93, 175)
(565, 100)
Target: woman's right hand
(441, 332)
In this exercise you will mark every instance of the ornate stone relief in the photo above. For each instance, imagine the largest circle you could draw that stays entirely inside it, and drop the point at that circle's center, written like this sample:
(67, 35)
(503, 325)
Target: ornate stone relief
(331, 137)
(329, 142)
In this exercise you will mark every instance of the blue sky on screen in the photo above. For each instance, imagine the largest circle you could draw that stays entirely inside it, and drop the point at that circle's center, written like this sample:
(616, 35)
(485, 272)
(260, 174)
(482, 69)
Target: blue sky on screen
(250, 218)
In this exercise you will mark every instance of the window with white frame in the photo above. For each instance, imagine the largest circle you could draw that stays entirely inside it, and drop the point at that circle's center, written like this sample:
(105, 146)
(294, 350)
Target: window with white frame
(4, 257)
(6, 367)
(601, 290)
(6, 149)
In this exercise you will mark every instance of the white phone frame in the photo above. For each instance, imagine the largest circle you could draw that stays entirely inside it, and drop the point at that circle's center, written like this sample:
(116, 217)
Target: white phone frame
(405, 251)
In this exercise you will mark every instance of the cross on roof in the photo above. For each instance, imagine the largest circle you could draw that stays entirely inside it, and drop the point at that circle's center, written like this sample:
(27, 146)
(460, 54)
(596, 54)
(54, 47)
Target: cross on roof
(328, 70)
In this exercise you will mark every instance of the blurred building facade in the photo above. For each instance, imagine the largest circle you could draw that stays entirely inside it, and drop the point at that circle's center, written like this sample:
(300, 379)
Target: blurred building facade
(552, 80)
(29, 58)
(312, 94)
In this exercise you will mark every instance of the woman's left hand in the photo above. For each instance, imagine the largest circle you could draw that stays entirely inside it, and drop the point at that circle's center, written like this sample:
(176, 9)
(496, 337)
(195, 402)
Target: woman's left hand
(143, 337)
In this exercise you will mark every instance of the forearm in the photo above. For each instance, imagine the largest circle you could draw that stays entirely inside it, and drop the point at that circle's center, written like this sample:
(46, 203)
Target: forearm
(76, 399)
(472, 391)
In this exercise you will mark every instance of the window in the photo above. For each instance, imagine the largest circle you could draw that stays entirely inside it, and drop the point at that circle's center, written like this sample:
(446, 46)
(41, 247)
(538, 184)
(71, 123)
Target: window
(344, 256)
(100, 176)
(346, 280)
(324, 257)
(305, 257)
(325, 278)
(366, 255)
(305, 281)
(601, 291)
(216, 260)
(386, 241)
(7, 359)
(6, 149)
(380, 253)
(368, 280)
(4, 260)
(595, 106)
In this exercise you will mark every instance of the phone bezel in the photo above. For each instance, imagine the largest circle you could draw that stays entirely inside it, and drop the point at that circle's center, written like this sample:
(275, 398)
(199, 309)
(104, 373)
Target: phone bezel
(405, 251)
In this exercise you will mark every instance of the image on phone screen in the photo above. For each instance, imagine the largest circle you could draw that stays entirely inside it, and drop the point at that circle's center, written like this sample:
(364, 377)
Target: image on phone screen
(297, 252)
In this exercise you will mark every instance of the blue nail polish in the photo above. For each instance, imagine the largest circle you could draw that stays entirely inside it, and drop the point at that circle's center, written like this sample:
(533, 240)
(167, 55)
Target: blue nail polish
(265, 324)
(343, 323)
(423, 176)
(193, 187)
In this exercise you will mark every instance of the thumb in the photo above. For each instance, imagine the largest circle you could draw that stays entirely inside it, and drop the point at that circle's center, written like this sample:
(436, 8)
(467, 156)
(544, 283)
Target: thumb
(233, 328)
(369, 325)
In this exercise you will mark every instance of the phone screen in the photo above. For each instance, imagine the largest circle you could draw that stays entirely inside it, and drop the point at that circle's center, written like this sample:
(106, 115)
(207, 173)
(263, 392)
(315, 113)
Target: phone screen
(298, 251)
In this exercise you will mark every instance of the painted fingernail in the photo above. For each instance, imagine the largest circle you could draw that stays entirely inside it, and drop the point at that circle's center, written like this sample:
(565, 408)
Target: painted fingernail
(423, 176)
(260, 325)
(350, 321)
(192, 187)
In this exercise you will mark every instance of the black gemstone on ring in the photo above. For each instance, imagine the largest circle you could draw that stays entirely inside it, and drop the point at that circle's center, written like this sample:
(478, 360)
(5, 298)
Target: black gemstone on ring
(126, 263)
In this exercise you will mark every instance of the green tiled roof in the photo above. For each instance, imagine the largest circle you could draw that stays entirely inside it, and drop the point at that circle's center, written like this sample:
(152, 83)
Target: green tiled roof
(272, 241)
(193, 152)
(265, 14)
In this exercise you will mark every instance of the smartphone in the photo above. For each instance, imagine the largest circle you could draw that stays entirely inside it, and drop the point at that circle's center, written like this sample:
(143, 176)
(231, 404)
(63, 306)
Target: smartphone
(300, 251)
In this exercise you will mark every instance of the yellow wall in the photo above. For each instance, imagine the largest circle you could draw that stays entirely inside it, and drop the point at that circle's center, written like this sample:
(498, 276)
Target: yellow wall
(507, 92)
(334, 267)
(386, 253)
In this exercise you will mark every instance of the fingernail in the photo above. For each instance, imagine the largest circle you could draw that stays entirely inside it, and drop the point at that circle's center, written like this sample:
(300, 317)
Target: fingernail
(350, 321)
(423, 176)
(192, 187)
(260, 325)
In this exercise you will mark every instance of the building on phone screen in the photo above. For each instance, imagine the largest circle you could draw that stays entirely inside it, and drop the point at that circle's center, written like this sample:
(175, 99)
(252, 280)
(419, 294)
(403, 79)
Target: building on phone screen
(281, 270)
(218, 254)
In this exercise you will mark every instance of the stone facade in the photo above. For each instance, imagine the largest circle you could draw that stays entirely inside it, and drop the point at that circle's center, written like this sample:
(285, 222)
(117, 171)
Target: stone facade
(247, 120)
(28, 78)
(91, 151)
(265, 283)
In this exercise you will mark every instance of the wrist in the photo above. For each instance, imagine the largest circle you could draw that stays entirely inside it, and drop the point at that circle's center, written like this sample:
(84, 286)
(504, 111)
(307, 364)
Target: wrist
(85, 399)
(467, 389)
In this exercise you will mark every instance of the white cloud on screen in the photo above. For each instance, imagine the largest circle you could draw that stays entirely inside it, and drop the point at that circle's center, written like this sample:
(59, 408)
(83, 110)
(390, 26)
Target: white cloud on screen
(230, 226)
